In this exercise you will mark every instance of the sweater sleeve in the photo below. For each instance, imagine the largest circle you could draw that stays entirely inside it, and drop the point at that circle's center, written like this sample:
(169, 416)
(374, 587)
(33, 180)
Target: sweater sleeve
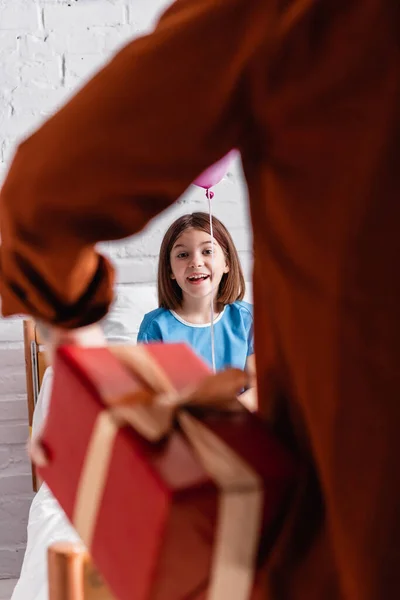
(124, 148)
(147, 332)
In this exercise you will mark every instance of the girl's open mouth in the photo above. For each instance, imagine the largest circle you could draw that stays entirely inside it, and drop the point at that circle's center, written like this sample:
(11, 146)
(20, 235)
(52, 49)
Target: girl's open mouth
(197, 279)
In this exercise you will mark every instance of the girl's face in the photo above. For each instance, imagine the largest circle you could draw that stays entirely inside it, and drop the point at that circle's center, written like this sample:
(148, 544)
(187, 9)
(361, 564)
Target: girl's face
(190, 260)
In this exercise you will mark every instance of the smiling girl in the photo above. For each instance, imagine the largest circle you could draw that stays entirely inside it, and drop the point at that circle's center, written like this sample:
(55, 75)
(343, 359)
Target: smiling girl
(187, 279)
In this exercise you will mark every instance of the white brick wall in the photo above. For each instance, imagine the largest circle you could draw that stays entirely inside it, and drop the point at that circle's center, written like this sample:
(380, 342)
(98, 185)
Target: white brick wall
(46, 48)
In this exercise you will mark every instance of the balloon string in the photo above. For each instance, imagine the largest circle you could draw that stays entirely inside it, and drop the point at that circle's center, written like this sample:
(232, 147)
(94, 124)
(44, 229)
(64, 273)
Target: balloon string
(210, 195)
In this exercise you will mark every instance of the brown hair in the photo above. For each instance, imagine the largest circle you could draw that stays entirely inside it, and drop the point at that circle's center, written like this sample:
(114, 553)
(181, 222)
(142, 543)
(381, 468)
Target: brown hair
(232, 285)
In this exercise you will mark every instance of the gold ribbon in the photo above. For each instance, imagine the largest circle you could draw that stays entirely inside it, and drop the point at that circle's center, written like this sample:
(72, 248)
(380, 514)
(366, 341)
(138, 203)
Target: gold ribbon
(93, 477)
(241, 491)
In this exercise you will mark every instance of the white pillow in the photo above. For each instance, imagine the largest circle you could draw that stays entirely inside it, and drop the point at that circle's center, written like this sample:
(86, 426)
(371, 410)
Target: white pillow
(122, 323)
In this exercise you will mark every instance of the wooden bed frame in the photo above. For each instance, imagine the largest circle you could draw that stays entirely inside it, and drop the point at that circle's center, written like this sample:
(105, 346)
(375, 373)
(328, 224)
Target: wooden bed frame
(35, 366)
(72, 575)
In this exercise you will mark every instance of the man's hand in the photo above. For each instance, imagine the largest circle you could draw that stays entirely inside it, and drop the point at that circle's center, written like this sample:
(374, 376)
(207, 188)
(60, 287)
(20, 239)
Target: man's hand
(54, 337)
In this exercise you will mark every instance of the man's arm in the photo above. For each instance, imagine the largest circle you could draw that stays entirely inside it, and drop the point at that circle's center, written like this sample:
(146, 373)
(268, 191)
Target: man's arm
(123, 149)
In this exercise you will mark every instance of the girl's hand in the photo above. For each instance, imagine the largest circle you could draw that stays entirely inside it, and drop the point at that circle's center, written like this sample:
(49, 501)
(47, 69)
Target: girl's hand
(249, 399)
(250, 369)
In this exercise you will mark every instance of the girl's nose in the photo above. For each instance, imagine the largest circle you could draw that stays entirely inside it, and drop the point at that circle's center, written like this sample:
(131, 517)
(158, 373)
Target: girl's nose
(197, 260)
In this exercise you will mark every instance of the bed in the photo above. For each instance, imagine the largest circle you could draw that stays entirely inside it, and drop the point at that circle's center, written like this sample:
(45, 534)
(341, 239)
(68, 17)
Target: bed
(55, 559)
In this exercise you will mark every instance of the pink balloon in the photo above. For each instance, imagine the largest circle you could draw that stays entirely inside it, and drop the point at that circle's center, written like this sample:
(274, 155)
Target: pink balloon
(216, 172)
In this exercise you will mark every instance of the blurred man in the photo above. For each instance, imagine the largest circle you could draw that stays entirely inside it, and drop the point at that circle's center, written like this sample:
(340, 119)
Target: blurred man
(308, 90)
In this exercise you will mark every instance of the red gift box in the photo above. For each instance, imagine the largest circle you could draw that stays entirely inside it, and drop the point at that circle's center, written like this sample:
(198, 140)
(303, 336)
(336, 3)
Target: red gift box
(172, 501)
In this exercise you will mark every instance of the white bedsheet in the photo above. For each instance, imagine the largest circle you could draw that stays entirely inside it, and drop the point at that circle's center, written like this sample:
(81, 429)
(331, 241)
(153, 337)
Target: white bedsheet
(47, 521)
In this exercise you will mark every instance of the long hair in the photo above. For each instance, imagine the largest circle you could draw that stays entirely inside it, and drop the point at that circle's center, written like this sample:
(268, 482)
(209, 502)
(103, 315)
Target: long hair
(232, 285)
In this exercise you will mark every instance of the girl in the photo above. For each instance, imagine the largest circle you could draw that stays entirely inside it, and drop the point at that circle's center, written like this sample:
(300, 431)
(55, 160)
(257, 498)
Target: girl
(186, 280)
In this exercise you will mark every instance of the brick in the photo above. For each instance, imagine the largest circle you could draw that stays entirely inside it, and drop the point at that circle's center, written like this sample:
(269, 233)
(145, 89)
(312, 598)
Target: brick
(246, 260)
(93, 40)
(8, 43)
(137, 270)
(38, 46)
(14, 460)
(14, 506)
(20, 468)
(19, 15)
(44, 74)
(113, 38)
(14, 433)
(19, 456)
(11, 354)
(242, 238)
(5, 457)
(144, 14)
(11, 561)
(11, 330)
(35, 98)
(20, 124)
(6, 588)
(80, 67)
(53, 42)
(9, 74)
(144, 244)
(82, 14)
(8, 148)
(13, 409)
(12, 380)
(233, 214)
(127, 295)
(13, 530)
(83, 41)
(11, 485)
(3, 171)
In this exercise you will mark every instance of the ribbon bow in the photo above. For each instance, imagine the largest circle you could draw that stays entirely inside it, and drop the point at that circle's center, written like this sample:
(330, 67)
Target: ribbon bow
(152, 411)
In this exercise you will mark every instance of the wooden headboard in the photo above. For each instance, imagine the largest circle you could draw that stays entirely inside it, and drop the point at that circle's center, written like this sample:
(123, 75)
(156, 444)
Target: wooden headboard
(35, 366)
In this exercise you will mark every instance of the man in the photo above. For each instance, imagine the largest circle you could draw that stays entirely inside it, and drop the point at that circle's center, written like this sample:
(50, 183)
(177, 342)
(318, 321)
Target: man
(309, 91)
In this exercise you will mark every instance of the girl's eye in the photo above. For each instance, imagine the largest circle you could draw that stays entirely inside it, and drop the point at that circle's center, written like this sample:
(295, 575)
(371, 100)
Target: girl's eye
(182, 255)
(209, 251)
